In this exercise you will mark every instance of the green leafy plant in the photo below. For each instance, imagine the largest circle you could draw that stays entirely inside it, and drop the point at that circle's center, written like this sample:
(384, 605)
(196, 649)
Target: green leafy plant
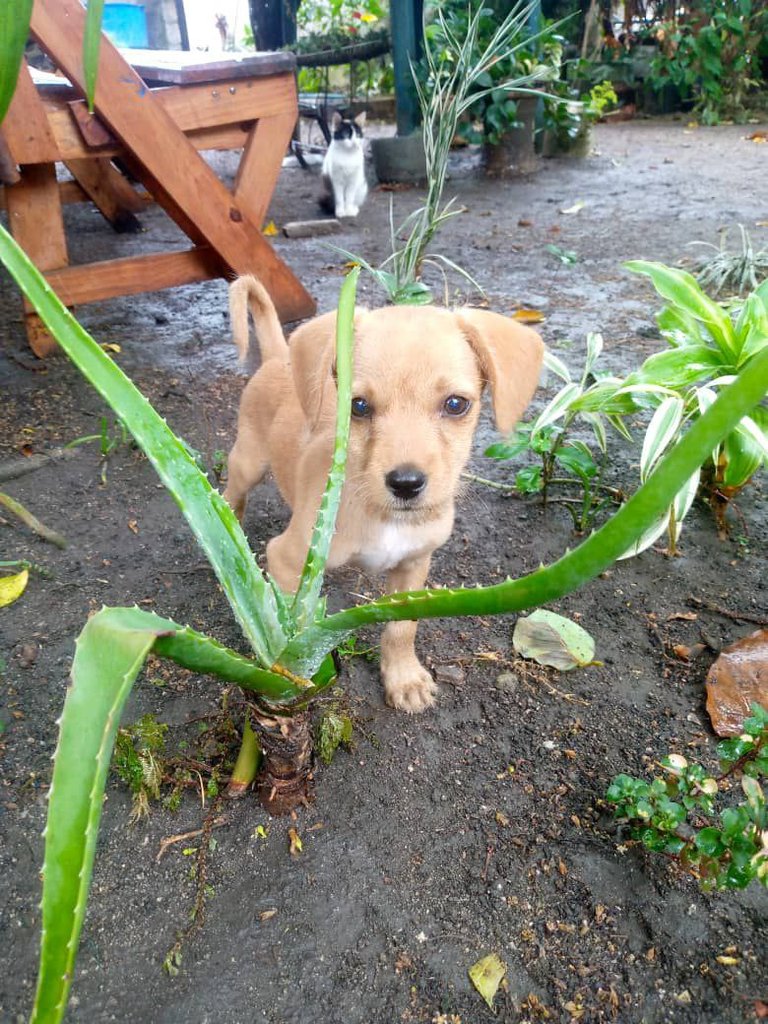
(137, 761)
(568, 114)
(455, 66)
(728, 271)
(709, 344)
(675, 814)
(290, 637)
(562, 460)
(713, 55)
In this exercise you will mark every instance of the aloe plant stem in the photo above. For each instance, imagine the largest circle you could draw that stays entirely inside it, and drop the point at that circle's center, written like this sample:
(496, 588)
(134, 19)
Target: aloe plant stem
(247, 763)
(576, 567)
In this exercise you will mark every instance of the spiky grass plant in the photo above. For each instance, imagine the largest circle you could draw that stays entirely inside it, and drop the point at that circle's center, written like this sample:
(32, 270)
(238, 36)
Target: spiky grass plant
(731, 272)
(454, 72)
(291, 638)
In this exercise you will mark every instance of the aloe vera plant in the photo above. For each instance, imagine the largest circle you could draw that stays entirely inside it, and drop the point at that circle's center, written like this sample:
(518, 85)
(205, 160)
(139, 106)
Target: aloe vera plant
(290, 637)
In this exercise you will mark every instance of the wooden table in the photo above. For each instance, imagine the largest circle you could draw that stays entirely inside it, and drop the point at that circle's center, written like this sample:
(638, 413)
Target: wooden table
(154, 110)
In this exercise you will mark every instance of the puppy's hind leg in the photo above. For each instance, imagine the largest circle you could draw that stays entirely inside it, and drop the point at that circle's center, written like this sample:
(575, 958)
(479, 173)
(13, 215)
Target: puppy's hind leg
(246, 466)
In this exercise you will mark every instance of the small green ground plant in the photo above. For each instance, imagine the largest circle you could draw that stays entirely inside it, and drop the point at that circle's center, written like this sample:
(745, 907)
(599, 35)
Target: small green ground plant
(676, 815)
(725, 271)
(562, 461)
(290, 636)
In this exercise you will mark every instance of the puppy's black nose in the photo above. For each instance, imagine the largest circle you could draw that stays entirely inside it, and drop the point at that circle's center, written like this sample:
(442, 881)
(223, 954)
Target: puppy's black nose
(406, 482)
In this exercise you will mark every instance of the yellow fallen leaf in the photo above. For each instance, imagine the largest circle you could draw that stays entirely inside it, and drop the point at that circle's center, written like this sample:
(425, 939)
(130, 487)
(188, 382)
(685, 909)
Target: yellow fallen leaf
(578, 205)
(111, 346)
(12, 587)
(270, 230)
(528, 316)
(486, 976)
(728, 961)
(295, 839)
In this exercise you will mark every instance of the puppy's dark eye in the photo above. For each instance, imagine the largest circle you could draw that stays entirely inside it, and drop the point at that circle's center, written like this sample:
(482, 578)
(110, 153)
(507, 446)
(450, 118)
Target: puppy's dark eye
(455, 405)
(360, 408)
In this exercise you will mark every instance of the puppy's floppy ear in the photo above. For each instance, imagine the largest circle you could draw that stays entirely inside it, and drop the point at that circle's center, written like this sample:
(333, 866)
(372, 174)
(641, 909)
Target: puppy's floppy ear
(312, 350)
(510, 357)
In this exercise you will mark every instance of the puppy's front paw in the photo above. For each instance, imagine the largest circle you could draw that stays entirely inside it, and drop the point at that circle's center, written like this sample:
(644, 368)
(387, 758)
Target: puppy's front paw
(408, 687)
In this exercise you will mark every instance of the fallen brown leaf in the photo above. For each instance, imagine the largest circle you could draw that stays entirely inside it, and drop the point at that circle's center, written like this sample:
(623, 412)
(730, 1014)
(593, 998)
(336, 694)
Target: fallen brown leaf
(737, 679)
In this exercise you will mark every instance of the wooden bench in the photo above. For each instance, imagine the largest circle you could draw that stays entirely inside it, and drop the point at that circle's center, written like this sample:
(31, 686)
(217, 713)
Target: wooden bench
(154, 110)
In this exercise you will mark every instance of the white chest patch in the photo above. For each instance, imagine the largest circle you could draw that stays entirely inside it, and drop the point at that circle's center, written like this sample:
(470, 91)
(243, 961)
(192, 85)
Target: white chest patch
(389, 544)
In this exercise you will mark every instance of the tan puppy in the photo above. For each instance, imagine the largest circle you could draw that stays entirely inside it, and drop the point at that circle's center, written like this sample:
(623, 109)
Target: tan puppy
(419, 373)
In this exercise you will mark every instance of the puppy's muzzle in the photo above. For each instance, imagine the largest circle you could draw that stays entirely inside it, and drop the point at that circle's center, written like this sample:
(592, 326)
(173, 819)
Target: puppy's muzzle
(406, 482)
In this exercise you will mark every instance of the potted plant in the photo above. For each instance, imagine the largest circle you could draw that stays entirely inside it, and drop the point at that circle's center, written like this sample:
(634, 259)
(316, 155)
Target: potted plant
(569, 117)
(501, 118)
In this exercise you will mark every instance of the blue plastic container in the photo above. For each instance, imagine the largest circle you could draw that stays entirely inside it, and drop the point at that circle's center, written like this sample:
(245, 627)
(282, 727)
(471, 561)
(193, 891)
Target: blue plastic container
(126, 25)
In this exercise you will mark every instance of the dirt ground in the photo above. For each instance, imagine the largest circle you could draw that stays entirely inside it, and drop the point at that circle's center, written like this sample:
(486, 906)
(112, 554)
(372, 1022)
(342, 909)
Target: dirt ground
(475, 828)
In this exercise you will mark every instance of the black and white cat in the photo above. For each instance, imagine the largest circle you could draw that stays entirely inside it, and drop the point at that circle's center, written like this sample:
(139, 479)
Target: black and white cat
(344, 168)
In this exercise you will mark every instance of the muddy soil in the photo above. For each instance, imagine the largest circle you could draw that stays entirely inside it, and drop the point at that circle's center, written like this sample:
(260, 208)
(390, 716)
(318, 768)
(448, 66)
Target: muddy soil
(475, 828)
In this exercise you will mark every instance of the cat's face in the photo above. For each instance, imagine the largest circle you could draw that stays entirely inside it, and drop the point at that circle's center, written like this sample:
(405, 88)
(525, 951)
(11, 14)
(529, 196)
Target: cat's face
(348, 132)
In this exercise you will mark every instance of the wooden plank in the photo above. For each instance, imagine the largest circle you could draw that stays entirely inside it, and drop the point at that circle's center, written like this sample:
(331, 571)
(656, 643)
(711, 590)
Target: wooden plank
(109, 190)
(70, 192)
(260, 164)
(178, 67)
(9, 172)
(93, 282)
(180, 178)
(26, 127)
(34, 216)
(205, 106)
(35, 221)
(72, 146)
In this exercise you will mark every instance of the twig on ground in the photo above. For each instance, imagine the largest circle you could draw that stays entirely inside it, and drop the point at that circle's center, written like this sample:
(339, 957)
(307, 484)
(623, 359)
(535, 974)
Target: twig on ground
(758, 620)
(32, 522)
(20, 467)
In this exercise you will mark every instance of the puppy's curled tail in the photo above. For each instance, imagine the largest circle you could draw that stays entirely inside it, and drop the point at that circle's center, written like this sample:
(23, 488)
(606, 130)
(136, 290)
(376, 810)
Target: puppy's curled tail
(249, 291)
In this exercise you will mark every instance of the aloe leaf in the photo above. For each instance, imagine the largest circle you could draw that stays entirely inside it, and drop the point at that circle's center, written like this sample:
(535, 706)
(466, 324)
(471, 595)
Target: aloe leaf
(212, 521)
(91, 46)
(108, 656)
(681, 288)
(577, 567)
(311, 582)
(15, 16)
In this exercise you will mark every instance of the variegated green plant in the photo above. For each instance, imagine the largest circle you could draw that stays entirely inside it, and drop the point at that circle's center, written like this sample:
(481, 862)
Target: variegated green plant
(290, 639)
(709, 345)
(592, 402)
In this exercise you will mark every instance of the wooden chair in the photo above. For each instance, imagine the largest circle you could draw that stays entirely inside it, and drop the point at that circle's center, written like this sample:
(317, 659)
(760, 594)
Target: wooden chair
(154, 111)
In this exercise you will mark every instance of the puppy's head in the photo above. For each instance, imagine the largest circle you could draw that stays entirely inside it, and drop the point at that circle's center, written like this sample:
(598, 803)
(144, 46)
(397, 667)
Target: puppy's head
(419, 374)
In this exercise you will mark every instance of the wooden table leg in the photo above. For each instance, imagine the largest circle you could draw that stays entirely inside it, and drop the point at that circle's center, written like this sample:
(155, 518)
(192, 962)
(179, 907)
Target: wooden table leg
(260, 164)
(36, 222)
(184, 184)
(108, 189)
